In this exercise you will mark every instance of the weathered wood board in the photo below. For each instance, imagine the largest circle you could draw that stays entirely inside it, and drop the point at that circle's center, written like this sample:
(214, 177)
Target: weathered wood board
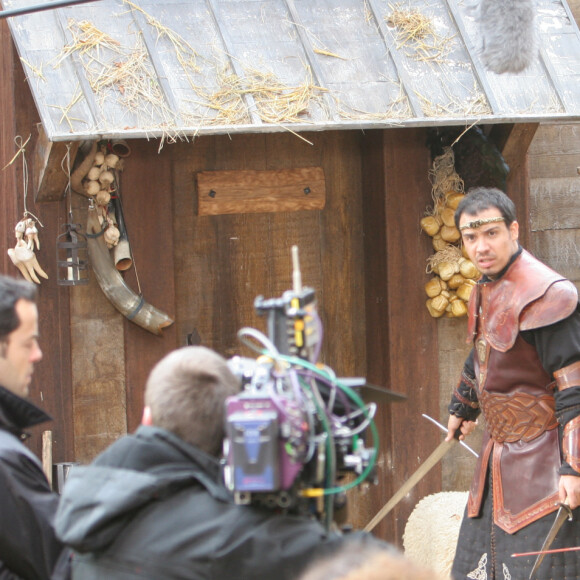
(248, 191)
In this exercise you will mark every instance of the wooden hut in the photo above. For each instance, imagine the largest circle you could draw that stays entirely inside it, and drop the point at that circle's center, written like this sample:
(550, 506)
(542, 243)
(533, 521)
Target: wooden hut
(253, 127)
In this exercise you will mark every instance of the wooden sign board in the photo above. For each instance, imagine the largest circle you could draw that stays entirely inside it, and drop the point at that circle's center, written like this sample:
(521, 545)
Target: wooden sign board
(283, 190)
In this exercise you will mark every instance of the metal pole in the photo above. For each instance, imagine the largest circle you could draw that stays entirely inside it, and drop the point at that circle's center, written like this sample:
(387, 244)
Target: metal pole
(40, 7)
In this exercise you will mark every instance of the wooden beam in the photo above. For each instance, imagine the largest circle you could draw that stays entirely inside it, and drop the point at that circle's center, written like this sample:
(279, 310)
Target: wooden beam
(235, 192)
(49, 171)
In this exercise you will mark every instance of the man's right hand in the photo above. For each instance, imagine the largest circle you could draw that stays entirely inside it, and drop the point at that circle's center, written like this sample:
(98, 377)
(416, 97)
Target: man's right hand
(454, 423)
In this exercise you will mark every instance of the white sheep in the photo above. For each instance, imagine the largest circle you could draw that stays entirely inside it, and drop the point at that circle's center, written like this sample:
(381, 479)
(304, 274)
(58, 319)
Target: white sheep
(432, 530)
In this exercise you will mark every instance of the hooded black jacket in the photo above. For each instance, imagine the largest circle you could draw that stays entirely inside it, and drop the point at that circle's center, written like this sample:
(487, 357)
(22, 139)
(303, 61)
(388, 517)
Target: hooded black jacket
(151, 507)
(29, 548)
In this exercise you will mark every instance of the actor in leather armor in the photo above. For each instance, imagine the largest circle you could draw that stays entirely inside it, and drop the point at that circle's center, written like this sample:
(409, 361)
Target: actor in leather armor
(523, 375)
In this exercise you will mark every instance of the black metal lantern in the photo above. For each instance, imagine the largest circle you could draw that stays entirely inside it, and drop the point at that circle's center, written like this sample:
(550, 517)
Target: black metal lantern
(72, 257)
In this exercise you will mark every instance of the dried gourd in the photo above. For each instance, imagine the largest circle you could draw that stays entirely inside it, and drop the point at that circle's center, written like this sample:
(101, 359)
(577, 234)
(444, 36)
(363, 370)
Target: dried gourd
(458, 308)
(106, 178)
(464, 291)
(455, 281)
(103, 197)
(430, 225)
(99, 158)
(446, 270)
(439, 303)
(92, 187)
(468, 270)
(93, 174)
(454, 199)
(439, 243)
(111, 160)
(450, 234)
(433, 311)
(434, 287)
(448, 217)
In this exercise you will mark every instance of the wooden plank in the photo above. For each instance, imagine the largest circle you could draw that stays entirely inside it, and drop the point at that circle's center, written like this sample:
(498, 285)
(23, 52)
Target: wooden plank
(50, 180)
(237, 66)
(47, 455)
(377, 313)
(98, 364)
(147, 182)
(554, 166)
(248, 191)
(457, 466)
(224, 261)
(8, 201)
(391, 46)
(518, 189)
(551, 139)
(560, 249)
(554, 203)
(305, 38)
(396, 254)
(555, 151)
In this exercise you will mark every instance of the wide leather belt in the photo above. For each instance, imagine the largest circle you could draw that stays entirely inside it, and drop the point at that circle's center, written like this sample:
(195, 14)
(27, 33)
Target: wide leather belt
(517, 416)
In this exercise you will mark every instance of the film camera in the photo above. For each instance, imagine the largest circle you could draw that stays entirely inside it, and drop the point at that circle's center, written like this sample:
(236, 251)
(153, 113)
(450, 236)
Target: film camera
(295, 434)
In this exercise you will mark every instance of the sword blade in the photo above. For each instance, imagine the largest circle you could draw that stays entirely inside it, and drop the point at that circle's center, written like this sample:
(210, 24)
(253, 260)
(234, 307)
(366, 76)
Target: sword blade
(444, 429)
(562, 515)
(424, 468)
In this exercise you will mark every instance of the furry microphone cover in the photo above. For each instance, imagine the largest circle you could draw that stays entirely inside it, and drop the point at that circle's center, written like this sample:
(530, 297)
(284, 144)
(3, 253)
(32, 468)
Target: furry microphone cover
(508, 34)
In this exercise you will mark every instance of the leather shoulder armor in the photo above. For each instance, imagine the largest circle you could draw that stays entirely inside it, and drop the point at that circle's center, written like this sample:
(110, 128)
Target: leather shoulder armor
(559, 301)
(529, 295)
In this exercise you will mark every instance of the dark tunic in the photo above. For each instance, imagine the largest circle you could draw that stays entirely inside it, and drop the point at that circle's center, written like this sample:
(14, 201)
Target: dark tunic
(484, 550)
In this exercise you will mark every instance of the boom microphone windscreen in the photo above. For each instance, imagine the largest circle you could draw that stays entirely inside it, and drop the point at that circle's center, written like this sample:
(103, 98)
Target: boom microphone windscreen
(509, 41)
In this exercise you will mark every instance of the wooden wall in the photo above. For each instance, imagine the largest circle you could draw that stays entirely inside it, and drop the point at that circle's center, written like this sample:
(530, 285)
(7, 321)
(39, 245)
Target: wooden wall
(555, 198)
(50, 388)
(363, 253)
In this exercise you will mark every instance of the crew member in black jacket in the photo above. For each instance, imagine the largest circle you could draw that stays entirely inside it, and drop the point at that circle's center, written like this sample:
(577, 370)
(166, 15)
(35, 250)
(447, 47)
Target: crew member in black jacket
(152, 505)
(29, 548)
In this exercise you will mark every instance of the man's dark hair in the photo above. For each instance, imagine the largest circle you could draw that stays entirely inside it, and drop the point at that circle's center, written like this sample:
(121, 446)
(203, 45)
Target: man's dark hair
(11, 291)
(482, 198)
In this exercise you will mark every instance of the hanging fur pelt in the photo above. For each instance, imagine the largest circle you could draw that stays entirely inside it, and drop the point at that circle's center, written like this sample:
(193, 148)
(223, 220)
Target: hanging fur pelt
(508, 34)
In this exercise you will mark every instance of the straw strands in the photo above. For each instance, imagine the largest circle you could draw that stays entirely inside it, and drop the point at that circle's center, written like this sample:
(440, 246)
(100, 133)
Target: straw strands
(416, 34)
(125, 74)
(444, 178)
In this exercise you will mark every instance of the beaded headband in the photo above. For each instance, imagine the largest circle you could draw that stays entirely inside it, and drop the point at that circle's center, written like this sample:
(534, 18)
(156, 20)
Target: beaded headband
(482, 222)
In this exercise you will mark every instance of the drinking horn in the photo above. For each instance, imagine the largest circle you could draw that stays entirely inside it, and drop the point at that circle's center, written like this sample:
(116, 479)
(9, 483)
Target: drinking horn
(124, 299)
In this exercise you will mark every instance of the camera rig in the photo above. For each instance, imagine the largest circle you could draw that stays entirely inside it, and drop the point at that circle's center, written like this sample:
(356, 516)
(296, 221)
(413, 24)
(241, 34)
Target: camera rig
(295, 434)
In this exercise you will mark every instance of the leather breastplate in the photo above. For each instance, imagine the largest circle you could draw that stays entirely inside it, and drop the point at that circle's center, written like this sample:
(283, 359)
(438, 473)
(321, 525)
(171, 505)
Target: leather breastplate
(521, 436)
(521, 442)
(529, 295)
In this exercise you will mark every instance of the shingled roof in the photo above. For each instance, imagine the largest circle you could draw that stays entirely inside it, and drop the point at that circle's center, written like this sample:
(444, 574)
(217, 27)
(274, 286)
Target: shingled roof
(180, 68)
